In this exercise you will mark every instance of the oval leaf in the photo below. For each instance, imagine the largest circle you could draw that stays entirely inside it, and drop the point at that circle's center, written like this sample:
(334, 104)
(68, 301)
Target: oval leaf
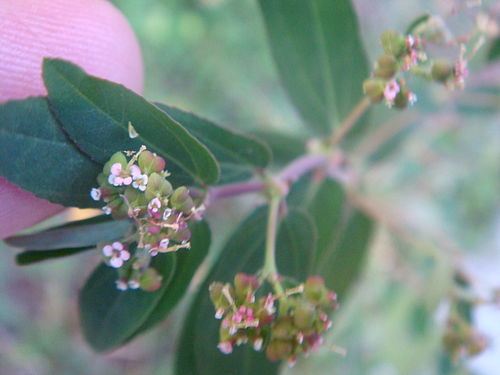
(237, 154)
(343, 232)
(77, 234)
(37, 156)
(35, 256)
(97, 113)
(319, 56)
(109, 316)
(187, 262)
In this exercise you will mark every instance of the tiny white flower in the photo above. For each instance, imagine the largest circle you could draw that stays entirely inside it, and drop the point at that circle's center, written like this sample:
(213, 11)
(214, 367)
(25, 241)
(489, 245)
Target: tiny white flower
(95, 194)
(219, 313)
(140, 182)
(126, 180)
(117, 254)
(257, 344)
(167, 213)
(164, 243)
(107, 250)
(106, 210)
(133, 284)
(225, 347)
(154, 205)
(135, 171)
(153, 252)
(121, 285)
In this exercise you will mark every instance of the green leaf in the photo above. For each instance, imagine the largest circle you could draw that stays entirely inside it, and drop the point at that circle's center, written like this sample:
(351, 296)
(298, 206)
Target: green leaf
(81, 233)
(37, 156)
(494, 50)
(238, 154)
(96, 114)
(417, 22)
(110, 316)
(319, 56)
(187, 262)
(296, 245)
(34, 256)
(343, 232)
(244, 252)
(284, 146)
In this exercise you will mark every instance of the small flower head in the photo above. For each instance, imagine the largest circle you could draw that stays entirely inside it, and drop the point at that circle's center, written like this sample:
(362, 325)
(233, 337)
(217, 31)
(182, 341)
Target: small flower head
(140, 182)
(117, 254)
(95, 193)
(391, 90)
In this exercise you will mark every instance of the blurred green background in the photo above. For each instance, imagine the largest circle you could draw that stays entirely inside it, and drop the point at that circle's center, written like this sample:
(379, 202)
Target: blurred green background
(433, 170)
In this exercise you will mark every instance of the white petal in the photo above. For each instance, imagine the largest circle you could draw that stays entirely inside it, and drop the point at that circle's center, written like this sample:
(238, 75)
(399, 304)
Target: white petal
(125, 255)
(135, 171)
(116, 169)
(95, 194)
(116, 262)
(117, 245)
(107, 250)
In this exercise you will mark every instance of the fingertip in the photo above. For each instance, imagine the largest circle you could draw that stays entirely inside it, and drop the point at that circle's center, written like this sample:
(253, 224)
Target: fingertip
(90, 33)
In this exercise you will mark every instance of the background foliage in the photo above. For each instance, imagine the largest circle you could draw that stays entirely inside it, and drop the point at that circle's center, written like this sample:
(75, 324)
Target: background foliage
(211, 56)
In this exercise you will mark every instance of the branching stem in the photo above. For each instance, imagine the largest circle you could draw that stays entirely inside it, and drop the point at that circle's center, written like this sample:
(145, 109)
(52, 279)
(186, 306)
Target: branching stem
(349, 122)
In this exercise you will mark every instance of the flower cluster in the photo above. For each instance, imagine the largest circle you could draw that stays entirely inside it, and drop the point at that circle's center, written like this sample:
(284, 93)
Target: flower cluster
(283, 325)
(406, 53)
(461, 339)
(402, 53)
(138, 189)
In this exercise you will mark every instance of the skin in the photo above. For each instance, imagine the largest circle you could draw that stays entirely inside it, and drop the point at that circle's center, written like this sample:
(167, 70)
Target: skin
(90, 33)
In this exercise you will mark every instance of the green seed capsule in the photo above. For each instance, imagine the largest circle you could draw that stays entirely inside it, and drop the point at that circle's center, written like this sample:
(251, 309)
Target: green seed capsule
(441, 71)
(374, 89)
(393, 43)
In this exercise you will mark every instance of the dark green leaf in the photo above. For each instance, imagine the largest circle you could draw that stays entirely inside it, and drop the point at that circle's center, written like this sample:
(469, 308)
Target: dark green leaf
(186, 265)
(96, 114)
(78, 234)
(494, 50)
(244, 252)
(341, 264)
(237, 154)
(110, 316)
(296, 245)
(34, 256)
(319, 55)
(417, 22)
(37, 156)
(285, 147)
(343, 233)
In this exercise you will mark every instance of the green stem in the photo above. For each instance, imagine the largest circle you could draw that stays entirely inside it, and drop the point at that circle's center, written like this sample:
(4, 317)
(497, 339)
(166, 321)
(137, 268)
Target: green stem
(349, 122)
(270, 271)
